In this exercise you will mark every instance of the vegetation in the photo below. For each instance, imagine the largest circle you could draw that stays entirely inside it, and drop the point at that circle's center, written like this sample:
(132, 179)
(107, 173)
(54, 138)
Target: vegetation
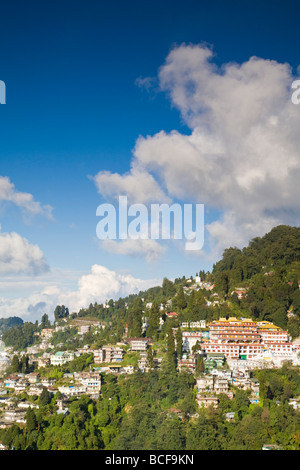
(140, 411)
(269, 268)
(21, 336)
(7, 323)
(157, 410)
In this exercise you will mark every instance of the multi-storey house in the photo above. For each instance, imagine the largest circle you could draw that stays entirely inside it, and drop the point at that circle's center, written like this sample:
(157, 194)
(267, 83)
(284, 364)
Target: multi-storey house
(139, 344)
(189, 339)
(61, 357)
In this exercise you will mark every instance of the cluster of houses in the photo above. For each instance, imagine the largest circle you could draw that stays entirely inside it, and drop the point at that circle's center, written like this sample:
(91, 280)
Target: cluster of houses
(228, 348)
(197, 283)
(107, 358)
(33, 384)
(244, 345)
(13, 408)
(214, 299)
(210, 386)
(260, 344)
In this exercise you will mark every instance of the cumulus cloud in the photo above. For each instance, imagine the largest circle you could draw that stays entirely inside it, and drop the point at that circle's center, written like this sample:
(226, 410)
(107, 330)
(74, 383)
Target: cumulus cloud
(17, 255)
(138, 185)
(151, 250)
(25, 201)
(99, 285)
(102, 284)
(242, 156)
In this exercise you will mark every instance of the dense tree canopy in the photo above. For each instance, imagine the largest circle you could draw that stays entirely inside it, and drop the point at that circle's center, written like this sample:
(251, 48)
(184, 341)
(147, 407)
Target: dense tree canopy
(156, 409)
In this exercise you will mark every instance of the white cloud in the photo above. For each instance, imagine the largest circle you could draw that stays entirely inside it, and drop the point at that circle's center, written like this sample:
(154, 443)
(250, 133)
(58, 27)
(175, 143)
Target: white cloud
(15, 285)
(25, 201)
(147, 248)
(17, 255)
(233, 230)
(242, 156)
(138, 185)
(99, 285)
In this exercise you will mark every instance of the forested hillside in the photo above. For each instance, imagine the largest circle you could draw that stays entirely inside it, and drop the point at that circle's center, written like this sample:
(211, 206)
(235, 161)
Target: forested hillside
(156, 409)
(269, 268)
(7, 323)
(139, 412)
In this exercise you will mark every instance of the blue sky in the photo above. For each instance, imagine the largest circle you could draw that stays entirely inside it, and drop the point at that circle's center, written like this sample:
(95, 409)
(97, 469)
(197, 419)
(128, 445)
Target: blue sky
(75, 107)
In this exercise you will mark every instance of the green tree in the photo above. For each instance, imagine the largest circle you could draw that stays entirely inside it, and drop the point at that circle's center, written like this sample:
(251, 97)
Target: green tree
(180, 299)
(179, 343)
(168, 288)
(24, 365)
(200, 367)
(61, 312)
(152, 330)
(15, 364)
(136, 313)
(171, 347)
(222, 283)
(45, 322)
(150, 360)
(293, 326)
(45, 397)
(31, 422)
(172, 436)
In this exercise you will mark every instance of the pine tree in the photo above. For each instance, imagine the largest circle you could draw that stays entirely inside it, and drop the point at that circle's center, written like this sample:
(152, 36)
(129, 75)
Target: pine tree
(31, 422)
(137, 313)
(180, 299)
(200, 367)
(152, 331)
(170, 355)
(15, 364)
(192, 301)
(61, 312)
(45, 323)
(150, 360)
(24, 365)
(179, 343)
(45, 397)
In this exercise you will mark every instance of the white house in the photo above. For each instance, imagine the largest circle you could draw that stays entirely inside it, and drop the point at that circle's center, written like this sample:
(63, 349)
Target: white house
(189, 339)
(61, 357)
